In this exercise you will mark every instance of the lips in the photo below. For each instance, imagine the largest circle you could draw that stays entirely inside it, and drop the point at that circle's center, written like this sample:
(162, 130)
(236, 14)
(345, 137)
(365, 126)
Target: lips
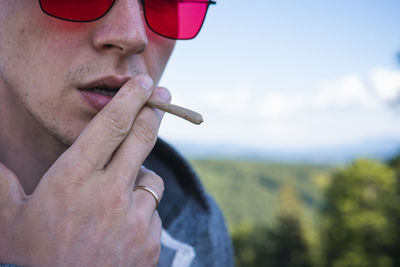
(99, 92)
(104, 91)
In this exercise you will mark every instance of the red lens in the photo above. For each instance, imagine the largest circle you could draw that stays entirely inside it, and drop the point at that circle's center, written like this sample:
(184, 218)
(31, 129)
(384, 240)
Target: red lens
(177, 19)
(76, 10)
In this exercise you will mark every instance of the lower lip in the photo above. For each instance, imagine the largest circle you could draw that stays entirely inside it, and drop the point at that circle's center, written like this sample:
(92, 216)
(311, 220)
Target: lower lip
(95, 100)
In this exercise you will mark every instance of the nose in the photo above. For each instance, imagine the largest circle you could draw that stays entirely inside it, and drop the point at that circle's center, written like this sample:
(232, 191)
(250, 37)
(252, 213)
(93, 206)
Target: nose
(122, 29)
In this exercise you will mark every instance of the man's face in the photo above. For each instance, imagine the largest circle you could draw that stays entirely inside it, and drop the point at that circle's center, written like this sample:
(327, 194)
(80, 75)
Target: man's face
(46, 63)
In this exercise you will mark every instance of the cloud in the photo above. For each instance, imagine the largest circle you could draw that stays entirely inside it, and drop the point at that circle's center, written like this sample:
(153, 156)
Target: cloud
(381, 86)
(386, 84)
(238, 102)
(276, 104)
(245, 115)
(349, 92)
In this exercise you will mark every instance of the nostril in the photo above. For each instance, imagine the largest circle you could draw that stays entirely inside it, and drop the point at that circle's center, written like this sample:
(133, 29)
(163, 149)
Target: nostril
(124, 46)
(122, 31)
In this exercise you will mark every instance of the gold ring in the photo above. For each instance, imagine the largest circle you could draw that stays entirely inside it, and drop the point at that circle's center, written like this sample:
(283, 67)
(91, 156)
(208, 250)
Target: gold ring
(151, 191)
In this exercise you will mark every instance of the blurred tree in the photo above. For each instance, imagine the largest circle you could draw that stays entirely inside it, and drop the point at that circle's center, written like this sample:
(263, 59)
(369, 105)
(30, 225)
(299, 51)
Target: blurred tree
(282, 245)
(290, 246)
(395, 248)
(359, 227)
(395, 163)
(252, 245)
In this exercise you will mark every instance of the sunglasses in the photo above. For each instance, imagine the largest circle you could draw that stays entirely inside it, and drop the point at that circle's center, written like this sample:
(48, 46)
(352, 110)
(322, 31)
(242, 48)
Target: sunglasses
(174, 19)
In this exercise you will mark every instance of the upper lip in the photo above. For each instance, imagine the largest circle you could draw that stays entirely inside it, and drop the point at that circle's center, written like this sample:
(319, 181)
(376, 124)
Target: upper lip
(111, 82)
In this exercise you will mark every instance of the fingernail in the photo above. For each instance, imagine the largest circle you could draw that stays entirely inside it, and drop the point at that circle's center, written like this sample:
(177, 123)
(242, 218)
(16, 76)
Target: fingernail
(146, 82)
(164, 94)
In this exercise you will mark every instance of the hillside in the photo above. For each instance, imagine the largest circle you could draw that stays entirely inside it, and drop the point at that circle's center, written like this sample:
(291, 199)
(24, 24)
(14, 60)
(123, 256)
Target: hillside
(249, 191)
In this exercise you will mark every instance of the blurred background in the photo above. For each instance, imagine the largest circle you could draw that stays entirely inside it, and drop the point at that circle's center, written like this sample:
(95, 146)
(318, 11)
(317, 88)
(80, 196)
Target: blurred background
(300, 144)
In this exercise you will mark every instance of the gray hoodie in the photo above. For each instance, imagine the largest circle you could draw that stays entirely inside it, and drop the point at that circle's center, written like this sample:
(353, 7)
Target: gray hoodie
(194, 232)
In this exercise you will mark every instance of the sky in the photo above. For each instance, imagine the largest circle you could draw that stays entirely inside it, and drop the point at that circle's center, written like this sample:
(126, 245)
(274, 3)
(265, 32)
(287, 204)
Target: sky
(289, 75)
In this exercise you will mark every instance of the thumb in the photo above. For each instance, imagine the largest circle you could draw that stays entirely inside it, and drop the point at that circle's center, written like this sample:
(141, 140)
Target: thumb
(11, 191)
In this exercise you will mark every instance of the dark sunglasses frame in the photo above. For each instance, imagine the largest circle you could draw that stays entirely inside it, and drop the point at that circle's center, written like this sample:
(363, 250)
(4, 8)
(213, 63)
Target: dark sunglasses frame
(209, 2)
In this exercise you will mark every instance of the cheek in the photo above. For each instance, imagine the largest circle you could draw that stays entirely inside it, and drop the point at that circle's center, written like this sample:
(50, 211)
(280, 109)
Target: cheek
(27, 54)
(157, 54)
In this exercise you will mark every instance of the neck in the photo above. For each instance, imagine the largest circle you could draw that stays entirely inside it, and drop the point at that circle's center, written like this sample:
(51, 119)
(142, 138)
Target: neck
(26, 148)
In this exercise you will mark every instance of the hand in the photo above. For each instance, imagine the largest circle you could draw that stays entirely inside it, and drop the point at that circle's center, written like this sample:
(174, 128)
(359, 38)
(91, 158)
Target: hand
(84, 212)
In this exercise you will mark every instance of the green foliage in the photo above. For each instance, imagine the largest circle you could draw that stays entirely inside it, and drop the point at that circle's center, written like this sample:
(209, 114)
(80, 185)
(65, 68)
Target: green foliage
(291, 248)
(268, 207)
(248, 191)
(252, 245)
(288, 236)
(303, 215)
(282, 245)
(395, 162)
(359, 227)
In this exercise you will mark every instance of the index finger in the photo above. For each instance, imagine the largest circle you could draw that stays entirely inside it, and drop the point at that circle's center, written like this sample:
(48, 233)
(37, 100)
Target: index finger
(111, 125)
(129, 156)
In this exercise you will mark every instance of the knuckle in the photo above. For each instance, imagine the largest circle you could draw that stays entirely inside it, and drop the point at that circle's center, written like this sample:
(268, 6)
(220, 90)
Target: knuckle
(74, 172)
(5, 179)
(144, 132)
(155, 252)
(159, 183)
(4, 171)
(8, 213)
(114, 202)
(153, 180)
(78, 167)
(77, 164)
(115, 194)
(157, 221)
(117, 121)
(140, 226)
(155, 246)
(69, 173)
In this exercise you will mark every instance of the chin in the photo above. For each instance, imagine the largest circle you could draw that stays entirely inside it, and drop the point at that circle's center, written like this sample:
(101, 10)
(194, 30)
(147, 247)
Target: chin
(65, 137)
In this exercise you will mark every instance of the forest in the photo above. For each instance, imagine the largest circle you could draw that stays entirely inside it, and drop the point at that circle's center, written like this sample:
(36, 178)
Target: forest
(282, 214)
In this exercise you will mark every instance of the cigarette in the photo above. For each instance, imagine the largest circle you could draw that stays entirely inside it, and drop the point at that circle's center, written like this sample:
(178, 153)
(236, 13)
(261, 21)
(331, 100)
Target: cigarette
(181, 112)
